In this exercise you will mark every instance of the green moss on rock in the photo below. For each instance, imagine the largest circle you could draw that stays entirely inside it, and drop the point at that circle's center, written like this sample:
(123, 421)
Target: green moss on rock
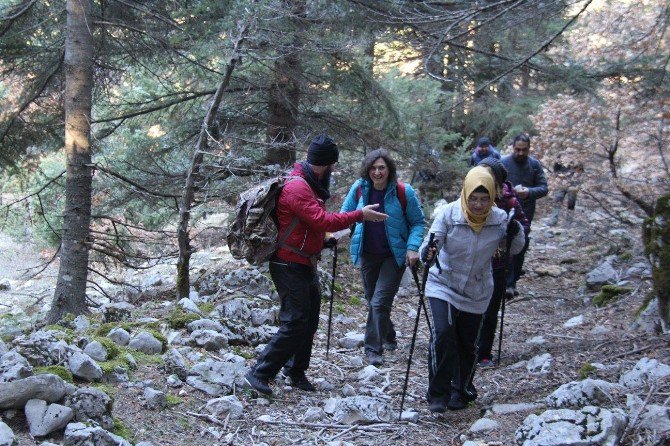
(178, 318)
(609, 293)
(58, 370)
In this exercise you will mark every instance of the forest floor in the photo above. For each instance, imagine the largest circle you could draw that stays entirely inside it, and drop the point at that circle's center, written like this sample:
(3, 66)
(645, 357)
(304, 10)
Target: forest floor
(551, 292)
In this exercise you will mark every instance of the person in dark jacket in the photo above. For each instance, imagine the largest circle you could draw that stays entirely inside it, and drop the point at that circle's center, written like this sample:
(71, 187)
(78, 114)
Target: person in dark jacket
(301, 210)
(383, 249)
(527, 176)
(483, 150)
(506, 200)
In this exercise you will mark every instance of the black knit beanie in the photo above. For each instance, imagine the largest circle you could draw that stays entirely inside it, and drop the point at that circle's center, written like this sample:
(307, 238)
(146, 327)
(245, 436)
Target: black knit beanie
(497, 166)
(322, 151)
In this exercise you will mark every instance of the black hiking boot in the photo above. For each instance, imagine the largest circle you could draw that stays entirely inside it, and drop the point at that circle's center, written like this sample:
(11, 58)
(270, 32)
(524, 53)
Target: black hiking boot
(260, 385)
(302, 383)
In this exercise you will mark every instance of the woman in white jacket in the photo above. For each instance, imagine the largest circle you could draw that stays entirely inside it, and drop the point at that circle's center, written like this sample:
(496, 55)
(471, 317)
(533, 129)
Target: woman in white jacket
(467, 233)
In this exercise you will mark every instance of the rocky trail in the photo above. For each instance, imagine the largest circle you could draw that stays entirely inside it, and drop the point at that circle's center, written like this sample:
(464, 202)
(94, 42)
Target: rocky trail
(147, 369)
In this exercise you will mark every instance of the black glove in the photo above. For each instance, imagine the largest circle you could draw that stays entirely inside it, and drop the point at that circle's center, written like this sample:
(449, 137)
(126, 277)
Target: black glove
(330, 243)
(513, 228)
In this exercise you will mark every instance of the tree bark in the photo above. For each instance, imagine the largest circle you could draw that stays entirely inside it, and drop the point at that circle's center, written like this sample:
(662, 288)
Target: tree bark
(285, 98)
(70, 294)
(202, 145)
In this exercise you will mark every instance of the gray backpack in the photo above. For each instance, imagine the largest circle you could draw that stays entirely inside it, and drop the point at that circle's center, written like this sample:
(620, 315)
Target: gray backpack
(253, 234)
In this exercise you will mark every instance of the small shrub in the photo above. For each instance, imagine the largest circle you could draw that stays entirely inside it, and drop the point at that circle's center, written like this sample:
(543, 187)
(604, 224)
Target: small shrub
(206, 307)
(586, 370)
(609, 293)
(172, 400)
(355, 301)
(58, 370)
(143, 358)
(121, 429)
(179, 318)
(112, 349)
(339, 308)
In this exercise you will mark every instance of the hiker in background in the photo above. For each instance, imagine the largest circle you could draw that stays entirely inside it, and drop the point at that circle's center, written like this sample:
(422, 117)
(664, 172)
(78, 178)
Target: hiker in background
(483, 150)
(506, 200)
(301, 210)
(460, 284)
(527, 176)
(566, 183)
(383, 249)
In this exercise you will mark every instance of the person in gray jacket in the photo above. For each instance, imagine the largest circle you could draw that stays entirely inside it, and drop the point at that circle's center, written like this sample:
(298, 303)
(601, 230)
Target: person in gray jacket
(530, 183)
(460, 283)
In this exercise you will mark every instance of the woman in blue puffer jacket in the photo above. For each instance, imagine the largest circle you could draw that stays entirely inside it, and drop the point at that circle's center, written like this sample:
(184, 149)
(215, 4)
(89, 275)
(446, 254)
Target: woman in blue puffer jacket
(383, 249)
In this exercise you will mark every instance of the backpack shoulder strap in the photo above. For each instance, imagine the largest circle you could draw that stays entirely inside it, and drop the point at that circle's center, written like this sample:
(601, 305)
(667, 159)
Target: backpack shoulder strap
(401, 196)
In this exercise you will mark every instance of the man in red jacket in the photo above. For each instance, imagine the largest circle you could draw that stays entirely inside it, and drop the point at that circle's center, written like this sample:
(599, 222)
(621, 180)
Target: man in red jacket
(301, 206)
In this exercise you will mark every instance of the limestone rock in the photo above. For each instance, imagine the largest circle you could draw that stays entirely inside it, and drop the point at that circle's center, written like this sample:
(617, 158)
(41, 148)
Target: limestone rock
(540, 364)
(589, 392)
(116, 311)
(7, 437)
(78, 434)
(83, 366)
(646, 371)
(225, 406)
(483, 425)
(205, 324)
(44, 419)
(216, 377)
(96, 351)
(601, 275)
(173, 362)
(13, 366)
(589, 426)
(91, 404)
(146, 343)
(47, 387)
(351, 340)
(119, 336)
(208, 339)
(359, 409)
(155, 399)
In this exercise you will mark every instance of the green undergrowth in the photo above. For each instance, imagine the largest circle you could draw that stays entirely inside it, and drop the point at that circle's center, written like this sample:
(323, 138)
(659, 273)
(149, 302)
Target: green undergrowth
(587, 370)
(608, 294)
(58, 370)
(178, 318)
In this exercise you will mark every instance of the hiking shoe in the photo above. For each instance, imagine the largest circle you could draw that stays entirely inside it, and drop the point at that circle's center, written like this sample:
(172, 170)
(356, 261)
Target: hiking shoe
(260, 385)
(456, 402)
(390, 346)
(510, 292)
(486, 363)
(516, 292)
(437, 406)
(302, 383)
(374, 358)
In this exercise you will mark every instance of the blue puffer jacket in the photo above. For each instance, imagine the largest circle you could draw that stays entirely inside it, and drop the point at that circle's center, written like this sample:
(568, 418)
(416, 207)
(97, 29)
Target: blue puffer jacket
(404, 230)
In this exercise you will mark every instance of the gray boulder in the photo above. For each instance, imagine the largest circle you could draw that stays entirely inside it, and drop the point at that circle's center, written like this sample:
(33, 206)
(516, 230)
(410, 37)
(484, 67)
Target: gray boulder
(205, 324)
(174, 363)
(208, 339)
(601, 275)
(96, 351)
(483, 425)
(262, 316)
(47, 387)
(43, 348)
(13, 366)
(7, 437)
(79, 434)
(3, 347)
(81, 323)
(119, 336)
(589, 392)
(652, 417)
(359, 409)
(589, 426)
(83, 366)
(146, 343)
(351, 340)
(225, 406)
(155, 399)
(91, 404)
(235, 309)
(43, 419)
(540, 364)
(510, 408)
(116, 311)
(189, 306)
(216, 377)
(646, 371)
(314, 415)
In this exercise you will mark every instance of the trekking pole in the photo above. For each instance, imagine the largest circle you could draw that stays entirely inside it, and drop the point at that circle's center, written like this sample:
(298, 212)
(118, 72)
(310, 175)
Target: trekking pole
(508, 244)
(423, 302)
(416, 324)
(332, 297)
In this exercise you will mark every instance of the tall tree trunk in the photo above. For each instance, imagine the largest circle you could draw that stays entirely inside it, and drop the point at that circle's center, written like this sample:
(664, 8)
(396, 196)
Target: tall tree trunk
(70, 294)
(183, 232)
(285, 97)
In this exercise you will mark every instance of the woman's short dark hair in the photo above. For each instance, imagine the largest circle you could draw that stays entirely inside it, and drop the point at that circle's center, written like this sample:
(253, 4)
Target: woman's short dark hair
(521, 137)
(373, 156)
